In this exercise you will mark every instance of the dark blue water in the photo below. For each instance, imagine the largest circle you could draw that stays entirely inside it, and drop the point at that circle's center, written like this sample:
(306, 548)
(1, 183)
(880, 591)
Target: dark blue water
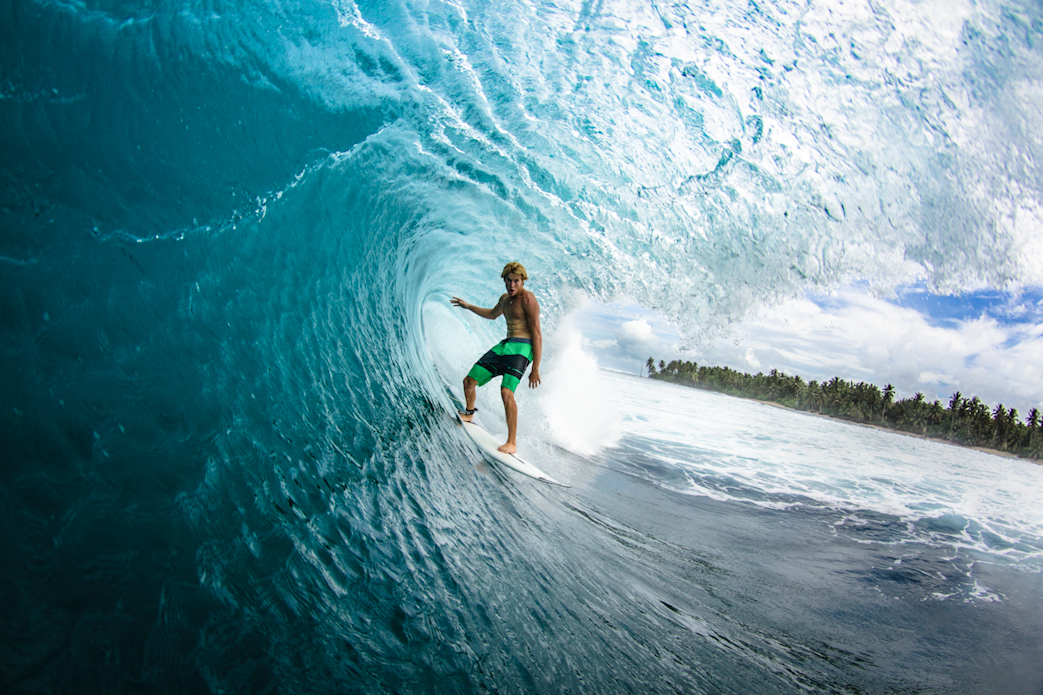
(227, 462)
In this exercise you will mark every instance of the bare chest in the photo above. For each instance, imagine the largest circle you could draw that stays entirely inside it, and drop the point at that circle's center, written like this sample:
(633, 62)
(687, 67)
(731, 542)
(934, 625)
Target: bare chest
(514, 312)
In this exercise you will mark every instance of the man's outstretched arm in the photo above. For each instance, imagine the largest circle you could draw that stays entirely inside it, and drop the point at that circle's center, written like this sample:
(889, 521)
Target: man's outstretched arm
(493, 313)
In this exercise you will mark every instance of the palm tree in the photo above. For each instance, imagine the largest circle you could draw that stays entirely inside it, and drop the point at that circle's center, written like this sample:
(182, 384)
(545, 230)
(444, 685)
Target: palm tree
(917, 418)
(935, 414)
(1011, 429)
(870, 394)
(954, 406)
(889, 398)
(800, 390)
(1036, 447)
(983, 425)
(650, 365)
(815, 396)
(999, 419)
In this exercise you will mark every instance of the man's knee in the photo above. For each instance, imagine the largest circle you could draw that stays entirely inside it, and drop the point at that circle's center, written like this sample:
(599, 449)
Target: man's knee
(506, 394)
(469, 382)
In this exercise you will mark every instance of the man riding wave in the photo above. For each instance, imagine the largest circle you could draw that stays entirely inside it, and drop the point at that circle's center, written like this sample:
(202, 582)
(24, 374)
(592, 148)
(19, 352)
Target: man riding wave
(509, 357)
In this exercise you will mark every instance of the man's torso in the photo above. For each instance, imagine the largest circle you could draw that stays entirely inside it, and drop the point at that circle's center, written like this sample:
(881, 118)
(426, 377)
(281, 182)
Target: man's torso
(514, 312)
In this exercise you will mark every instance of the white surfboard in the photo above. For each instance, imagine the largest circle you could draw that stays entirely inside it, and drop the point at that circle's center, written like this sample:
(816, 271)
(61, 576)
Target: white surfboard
(489, 447)
(488, 444)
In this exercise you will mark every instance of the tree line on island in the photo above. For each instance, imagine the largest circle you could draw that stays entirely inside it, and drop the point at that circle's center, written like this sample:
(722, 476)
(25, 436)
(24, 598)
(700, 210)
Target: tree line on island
(966, 421)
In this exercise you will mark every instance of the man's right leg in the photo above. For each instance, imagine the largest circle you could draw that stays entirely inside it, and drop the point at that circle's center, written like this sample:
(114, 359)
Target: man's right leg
(470, 394)
(510, 409)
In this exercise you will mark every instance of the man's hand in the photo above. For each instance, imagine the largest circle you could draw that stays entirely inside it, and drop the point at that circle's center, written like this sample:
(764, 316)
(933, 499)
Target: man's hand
(493, 313)
(534, 378)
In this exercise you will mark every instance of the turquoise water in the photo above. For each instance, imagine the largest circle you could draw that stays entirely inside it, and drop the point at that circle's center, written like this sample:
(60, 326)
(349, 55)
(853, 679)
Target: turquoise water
(228, 237)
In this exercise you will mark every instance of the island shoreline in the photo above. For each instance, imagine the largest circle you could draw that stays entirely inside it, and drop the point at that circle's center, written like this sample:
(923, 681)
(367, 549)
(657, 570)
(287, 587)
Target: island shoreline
(969, 422)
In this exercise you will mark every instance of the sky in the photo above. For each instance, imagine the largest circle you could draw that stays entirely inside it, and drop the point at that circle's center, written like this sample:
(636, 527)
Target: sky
(987, 343)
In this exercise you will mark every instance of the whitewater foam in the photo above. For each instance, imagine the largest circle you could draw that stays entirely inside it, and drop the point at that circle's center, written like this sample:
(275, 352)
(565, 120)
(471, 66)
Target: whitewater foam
(730, 449)
(575, 398)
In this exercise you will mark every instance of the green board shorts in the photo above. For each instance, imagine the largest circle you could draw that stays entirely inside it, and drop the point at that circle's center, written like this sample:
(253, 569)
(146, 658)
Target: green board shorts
(509, 357)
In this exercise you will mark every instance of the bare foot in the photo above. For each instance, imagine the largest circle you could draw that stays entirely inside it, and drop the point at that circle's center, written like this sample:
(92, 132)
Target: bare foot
(508, 448)
(465, 417)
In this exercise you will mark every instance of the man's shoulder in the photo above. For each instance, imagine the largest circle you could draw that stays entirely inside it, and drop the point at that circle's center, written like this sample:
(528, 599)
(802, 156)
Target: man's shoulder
(529, 299)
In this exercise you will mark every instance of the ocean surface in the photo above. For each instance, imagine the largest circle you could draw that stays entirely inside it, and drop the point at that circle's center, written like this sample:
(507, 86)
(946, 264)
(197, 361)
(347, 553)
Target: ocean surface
(229, 233)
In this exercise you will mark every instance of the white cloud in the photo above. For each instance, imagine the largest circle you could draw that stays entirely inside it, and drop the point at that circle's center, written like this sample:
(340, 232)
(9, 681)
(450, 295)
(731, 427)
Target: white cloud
(852, 335)
(637, 339)
(859, 337)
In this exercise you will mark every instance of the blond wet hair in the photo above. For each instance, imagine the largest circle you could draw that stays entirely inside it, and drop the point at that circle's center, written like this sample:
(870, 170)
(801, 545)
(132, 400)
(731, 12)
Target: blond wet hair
(516, 268)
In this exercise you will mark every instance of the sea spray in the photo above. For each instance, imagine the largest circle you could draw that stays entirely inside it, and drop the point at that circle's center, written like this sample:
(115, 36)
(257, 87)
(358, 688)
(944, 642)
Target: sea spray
(575, 398)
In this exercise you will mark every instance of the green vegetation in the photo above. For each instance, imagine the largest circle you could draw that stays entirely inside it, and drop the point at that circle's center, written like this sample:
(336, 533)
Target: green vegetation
(965, 421)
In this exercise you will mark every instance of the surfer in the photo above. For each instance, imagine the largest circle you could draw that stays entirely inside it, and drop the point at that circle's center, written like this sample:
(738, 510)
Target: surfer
(509, 357)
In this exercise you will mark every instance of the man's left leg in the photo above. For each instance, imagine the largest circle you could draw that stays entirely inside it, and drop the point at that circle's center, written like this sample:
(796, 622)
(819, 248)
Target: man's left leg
(470, 395)
(510, 407)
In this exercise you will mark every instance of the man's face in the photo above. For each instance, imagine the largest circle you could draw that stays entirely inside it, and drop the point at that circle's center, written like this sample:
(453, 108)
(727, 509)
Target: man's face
(514, 284)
